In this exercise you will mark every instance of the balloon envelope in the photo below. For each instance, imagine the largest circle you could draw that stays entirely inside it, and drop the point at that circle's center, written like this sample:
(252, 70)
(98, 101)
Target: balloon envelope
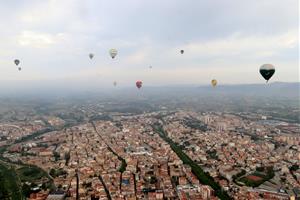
(113, 53)
(267, 71)
(91, 55)
(214, 82)
(139, 84)
(181, 51)
(19, 68)
(115, 83)
(17, 62)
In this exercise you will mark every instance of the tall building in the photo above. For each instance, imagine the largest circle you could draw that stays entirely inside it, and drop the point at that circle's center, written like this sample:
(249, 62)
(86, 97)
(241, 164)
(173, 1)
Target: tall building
(206, 192)
(221, 126)
(207, 119)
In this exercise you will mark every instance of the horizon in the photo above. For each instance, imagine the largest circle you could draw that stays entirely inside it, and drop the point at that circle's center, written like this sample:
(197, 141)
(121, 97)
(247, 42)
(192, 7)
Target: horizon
(90, 84)
(290, 90)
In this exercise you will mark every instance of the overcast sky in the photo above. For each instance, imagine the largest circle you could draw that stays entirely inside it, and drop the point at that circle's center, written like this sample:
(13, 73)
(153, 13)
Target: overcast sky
(227, 40)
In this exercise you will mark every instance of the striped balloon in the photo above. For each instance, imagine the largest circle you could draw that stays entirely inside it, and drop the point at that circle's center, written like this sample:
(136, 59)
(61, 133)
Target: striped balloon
(113, 53)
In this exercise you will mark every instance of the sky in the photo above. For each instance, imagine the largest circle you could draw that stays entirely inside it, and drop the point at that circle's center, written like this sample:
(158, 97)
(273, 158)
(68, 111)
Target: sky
(224, 40)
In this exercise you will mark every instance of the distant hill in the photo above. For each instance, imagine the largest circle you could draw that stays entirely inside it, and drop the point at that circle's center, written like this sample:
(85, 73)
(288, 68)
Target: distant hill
(270, 89)
(59, 89)
(277, 89)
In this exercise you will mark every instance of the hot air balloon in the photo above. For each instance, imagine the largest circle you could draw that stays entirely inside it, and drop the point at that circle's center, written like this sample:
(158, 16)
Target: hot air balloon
(139, 84)
(17, 62)
(91, 55)
(181, 51)
(214, 82)
(19, 68)
(150, 67)
(115, 83)
(267, 71)
(113, 53)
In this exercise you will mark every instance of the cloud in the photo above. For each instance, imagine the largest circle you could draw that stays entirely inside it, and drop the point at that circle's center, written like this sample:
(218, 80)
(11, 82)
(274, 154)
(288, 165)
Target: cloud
(241, 45)
(39, 13)
(39, 40)
(138, 57)
(54, 37)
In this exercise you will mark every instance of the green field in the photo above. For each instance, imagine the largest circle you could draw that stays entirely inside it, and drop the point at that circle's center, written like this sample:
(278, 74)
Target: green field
(31, 174)
(262, 175)
(9, 184)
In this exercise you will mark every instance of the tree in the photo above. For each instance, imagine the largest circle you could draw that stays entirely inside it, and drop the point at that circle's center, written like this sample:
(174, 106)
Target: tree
(52, 172)
(26, 190)
(67, 157)
(56, 155)
(294, 167)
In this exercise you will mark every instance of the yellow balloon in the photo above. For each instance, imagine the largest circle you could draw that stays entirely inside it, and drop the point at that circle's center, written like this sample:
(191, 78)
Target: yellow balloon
(214, 82)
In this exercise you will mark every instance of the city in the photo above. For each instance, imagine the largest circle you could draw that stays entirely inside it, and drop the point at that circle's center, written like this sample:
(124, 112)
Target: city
(155, 154)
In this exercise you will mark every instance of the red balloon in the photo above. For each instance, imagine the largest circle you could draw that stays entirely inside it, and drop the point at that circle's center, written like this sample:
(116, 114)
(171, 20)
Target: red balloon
(139, 84)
